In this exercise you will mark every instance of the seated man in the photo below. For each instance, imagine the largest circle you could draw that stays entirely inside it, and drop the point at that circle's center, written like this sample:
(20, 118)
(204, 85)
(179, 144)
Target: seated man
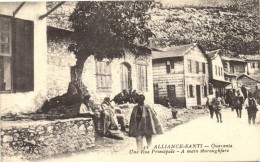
(112, 116)
(89, 110)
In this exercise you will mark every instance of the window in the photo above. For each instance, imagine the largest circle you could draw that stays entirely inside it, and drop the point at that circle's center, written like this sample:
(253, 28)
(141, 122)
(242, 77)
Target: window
(253, 64)
(203, 68)
(258, 64)
(17, 76)
(197, 67)
(5, 55)
(169, 66)
(216, 68)
(191, 90)
(218, 71)
(232, 69)
(141, 71)
(155, 86)
(221, 71)
(103, 74)
(205, 91)
(189, 66)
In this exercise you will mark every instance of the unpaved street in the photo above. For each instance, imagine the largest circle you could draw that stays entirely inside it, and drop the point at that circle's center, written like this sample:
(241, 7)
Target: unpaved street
(232, 140)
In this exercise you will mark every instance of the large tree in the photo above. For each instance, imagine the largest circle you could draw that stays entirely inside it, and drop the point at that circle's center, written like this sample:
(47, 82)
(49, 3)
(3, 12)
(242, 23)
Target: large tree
(108, 30)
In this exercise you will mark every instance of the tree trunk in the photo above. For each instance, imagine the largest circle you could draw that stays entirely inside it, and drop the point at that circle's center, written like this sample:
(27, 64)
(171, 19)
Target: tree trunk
(76, 86)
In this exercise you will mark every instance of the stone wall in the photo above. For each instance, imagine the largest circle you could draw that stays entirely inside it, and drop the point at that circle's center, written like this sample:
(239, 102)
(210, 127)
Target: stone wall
(60, 61)
(45, 138)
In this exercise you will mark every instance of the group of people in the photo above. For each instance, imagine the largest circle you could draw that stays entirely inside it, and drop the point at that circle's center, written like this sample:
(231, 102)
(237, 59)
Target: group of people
(126, 97)
(143, 120)
(235, 100)
(106, 117)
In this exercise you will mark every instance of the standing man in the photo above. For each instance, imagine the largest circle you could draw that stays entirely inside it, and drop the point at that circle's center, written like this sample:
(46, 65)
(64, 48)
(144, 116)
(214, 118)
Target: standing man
(251, 106)
(217, 106)
(209, 104)
(238, 102)
(143, 122)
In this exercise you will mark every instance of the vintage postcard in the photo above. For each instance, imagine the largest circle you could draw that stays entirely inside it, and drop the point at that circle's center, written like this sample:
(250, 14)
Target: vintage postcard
(129, 81)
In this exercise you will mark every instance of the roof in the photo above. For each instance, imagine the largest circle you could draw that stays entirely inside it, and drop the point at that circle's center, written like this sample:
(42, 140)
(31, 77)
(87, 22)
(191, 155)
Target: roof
(250, 77)
(252, 57)
(229, 58)
(172, 51)
(212, 54)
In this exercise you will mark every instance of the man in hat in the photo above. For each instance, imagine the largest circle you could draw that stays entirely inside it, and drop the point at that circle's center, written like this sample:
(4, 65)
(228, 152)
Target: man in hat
(238, 102)
(143, 123)
(251, 106)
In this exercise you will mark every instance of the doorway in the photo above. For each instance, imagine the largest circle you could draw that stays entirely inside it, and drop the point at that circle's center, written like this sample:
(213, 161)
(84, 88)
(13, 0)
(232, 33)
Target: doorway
(171, 92)
(198, 94)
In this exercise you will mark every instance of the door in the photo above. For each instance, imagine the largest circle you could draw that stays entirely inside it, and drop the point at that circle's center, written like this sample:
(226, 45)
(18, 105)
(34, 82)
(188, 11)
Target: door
(171, 92)
(156, 93)
(198, 94)
(126, 80)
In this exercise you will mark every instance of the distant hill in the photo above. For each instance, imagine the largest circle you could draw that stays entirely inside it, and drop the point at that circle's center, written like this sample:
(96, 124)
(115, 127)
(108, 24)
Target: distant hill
(230, 25)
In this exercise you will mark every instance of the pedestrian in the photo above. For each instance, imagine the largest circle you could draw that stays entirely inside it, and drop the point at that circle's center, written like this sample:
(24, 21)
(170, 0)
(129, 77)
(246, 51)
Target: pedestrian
(217, 106)
(209, 104)
(143, 123)
(238, 102)
(173, 109)
(251, 106)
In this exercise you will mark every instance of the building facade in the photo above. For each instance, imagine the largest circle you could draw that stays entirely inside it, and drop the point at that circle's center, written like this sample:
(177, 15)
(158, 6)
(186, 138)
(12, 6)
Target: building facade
(23, 56)
(233, 67)
(216, 73)
(249, 82)
(181, 74)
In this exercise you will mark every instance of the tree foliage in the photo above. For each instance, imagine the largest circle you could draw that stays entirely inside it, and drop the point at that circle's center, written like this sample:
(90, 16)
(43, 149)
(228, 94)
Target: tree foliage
(233, 27)
(107, 29)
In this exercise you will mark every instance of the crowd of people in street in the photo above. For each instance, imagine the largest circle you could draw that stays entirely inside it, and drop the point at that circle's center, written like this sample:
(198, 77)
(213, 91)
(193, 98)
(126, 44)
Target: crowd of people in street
(109, 119)
(236, 100)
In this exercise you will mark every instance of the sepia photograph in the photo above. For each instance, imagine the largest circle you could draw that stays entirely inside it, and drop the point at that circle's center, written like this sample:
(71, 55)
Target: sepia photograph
(137, 81)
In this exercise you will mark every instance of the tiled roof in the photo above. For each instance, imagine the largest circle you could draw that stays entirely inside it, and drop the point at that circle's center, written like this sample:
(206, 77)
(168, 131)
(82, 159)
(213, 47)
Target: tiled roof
(173, 51)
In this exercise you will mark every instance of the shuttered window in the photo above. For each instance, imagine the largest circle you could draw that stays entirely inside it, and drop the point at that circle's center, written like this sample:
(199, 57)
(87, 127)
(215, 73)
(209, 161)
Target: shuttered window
(142, 83)
(189, 66)
(191, 90)
(205, 91)
(5, 55)
(197, 67)
(103, 75)
(203, 68)
(16, 55)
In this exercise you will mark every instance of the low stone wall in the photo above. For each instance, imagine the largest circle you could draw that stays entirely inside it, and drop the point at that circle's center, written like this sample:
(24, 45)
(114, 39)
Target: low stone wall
(35, 139)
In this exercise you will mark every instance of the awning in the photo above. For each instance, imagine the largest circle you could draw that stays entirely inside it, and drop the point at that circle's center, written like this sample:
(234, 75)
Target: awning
(219, 83)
